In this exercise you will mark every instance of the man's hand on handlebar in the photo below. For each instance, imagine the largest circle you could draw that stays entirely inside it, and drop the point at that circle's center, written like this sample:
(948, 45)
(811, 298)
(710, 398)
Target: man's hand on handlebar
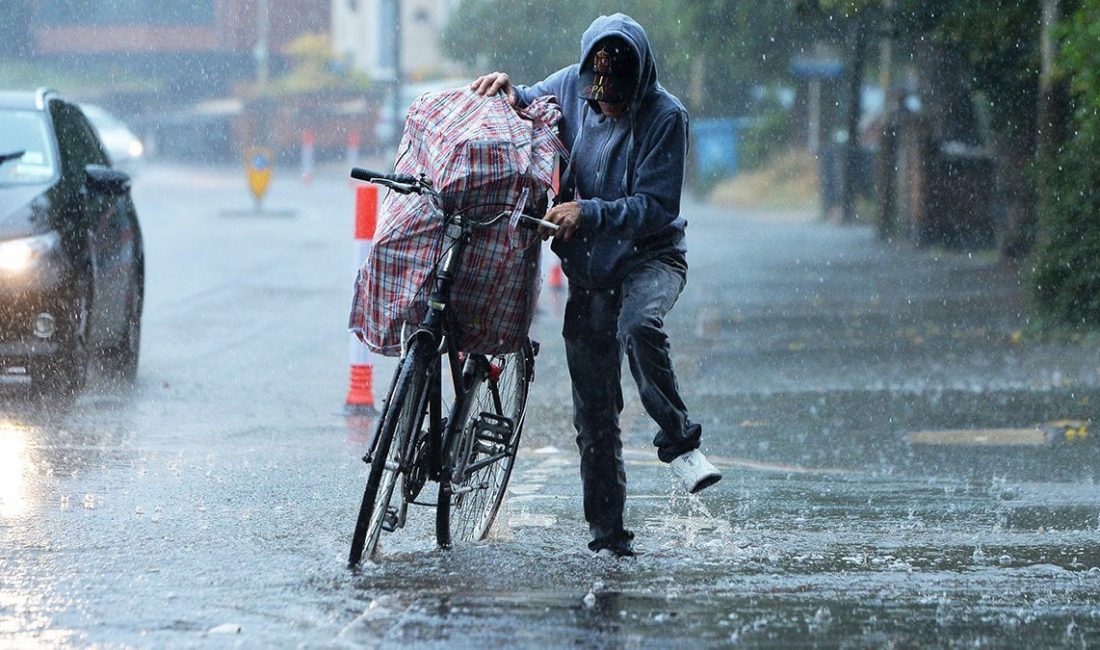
(568, 218)
(492, 83)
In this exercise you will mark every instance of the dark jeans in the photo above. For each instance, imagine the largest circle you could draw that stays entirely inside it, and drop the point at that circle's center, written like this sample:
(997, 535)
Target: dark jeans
(600, 327)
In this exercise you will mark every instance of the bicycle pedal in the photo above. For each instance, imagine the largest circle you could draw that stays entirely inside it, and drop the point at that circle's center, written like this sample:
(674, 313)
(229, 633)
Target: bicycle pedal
(494, 428)
(389, 520)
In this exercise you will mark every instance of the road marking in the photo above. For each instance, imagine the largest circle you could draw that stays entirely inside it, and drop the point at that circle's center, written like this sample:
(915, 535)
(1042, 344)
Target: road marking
(529, 482)
(533, 479)
(649, 457)
(531, 520)
(1049, 433)
(1033, 436)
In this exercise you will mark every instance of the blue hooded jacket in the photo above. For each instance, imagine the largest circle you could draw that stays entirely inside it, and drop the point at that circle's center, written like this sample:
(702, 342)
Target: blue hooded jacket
(627, 172)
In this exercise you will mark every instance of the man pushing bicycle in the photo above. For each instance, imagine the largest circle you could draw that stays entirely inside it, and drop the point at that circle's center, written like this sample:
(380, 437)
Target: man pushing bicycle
(621, 243)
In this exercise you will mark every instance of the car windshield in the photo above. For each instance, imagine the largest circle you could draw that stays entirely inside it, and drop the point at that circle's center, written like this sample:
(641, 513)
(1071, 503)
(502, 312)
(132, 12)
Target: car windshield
(25, 131)
(100, 118)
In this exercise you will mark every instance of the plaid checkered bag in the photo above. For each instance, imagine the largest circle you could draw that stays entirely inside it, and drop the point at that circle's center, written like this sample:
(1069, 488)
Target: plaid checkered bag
(483, 157)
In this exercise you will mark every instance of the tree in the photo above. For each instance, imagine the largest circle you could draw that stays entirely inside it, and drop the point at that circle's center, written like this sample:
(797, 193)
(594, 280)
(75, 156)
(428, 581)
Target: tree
(314, 68)
(527, 40)
(1066, 282)
(976, 58)
(857, 18)
(744, 46)
(999, 41)
(709, 52)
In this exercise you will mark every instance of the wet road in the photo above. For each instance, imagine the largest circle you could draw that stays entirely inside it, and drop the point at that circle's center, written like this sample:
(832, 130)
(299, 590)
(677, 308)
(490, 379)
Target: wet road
(212, 505)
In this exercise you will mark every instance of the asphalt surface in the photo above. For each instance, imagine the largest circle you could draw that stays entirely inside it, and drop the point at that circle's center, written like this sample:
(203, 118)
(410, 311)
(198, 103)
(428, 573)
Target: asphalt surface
(872, 407)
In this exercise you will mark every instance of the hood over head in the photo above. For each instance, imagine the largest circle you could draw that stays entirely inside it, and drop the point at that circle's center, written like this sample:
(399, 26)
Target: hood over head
(642, 70)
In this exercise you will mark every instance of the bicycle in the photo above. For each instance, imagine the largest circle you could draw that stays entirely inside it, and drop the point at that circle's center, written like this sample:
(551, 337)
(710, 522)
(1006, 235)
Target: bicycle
(471, 450)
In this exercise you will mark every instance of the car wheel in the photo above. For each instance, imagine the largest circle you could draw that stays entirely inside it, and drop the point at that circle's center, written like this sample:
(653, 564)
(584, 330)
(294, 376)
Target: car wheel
(122, 358)
(65, 374)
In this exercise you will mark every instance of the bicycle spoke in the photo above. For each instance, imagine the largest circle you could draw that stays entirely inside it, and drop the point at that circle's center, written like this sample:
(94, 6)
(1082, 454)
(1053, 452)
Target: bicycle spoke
(484, 408)
(483, 457)
(403, 416)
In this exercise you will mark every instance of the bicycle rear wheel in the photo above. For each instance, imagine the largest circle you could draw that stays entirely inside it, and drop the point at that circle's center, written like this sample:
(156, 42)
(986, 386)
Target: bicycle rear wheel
(402, 416)
(482, 450)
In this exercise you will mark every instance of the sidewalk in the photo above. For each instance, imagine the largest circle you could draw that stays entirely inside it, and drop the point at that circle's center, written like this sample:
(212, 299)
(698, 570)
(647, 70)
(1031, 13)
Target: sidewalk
(810, 353)
(793, 330)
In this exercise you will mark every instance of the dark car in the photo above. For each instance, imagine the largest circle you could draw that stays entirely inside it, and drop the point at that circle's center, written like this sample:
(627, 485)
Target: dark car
(71, 258)
(125, 149)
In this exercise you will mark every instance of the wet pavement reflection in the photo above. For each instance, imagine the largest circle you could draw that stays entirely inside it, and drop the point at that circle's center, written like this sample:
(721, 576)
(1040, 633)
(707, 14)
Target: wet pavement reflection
(212, 504)
(776, 558)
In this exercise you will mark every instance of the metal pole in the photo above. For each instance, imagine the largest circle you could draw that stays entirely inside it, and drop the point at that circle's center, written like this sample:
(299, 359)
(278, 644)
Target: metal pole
(263, 33)
(814, 135)
(855, 86)
(887, 151)
(260, 127)
(1048, 109)
(398, 118)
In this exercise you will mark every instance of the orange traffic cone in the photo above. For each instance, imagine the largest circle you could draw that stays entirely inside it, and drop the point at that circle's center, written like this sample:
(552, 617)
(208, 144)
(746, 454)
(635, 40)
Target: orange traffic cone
(307, 156)
(555, 280)
(360, 398)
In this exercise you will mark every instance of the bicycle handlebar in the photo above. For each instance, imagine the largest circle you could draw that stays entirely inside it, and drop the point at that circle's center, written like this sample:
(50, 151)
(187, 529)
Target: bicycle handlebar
(405, 184)
(534, 223)
(397, 182)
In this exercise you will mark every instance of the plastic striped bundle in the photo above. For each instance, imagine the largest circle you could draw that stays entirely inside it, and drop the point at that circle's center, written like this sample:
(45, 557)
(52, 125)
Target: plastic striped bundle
(484, 157)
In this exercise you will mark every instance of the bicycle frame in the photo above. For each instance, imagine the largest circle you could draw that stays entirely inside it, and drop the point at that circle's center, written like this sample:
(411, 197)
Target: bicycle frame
(456, 448)
(431, 337)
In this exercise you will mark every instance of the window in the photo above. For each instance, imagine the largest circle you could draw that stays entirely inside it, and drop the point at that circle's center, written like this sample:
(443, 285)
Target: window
(76, 140)
(25, 131)
(72, 13)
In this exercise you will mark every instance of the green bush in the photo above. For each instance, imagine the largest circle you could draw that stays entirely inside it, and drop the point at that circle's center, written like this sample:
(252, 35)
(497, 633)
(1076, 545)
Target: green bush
(1066, 280)
(764, 136)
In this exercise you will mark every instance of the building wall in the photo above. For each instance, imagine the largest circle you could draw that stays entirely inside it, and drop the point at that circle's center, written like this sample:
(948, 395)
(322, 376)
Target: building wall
(169, 26)
(197, 48)
(362, 31)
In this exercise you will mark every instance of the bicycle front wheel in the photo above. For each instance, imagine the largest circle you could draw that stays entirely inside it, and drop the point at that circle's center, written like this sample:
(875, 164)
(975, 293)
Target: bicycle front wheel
(482, 450)
(402, 417)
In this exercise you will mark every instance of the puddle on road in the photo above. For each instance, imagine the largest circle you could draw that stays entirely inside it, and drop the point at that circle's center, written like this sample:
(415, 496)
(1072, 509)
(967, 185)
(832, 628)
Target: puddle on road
(771, 557)
(777, 560)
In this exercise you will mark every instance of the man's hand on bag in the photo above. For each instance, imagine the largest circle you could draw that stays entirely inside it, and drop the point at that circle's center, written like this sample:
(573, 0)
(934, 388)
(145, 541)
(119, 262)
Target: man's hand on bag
(568, 218)
(492, 83)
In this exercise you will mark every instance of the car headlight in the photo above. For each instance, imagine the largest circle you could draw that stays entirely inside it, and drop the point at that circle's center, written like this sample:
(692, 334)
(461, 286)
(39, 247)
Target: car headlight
(135, 149)
(17, 255)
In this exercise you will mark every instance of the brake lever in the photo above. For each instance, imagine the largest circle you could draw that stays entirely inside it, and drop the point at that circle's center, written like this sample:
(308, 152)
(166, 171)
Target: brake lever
(534, 223)
(400, 188)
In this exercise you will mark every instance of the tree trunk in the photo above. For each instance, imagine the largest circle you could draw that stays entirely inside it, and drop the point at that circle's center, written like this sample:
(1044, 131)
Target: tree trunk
(858, 42)
(1051, 131)
(1016, 163)
(888, 147)
(1054, 113)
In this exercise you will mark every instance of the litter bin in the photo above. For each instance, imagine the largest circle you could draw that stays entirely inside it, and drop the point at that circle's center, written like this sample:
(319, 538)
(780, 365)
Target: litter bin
(714, 142)
(960, 199)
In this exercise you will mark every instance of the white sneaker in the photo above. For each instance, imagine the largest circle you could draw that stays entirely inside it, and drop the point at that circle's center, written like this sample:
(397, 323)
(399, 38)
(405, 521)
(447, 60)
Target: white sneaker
(694, 471)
